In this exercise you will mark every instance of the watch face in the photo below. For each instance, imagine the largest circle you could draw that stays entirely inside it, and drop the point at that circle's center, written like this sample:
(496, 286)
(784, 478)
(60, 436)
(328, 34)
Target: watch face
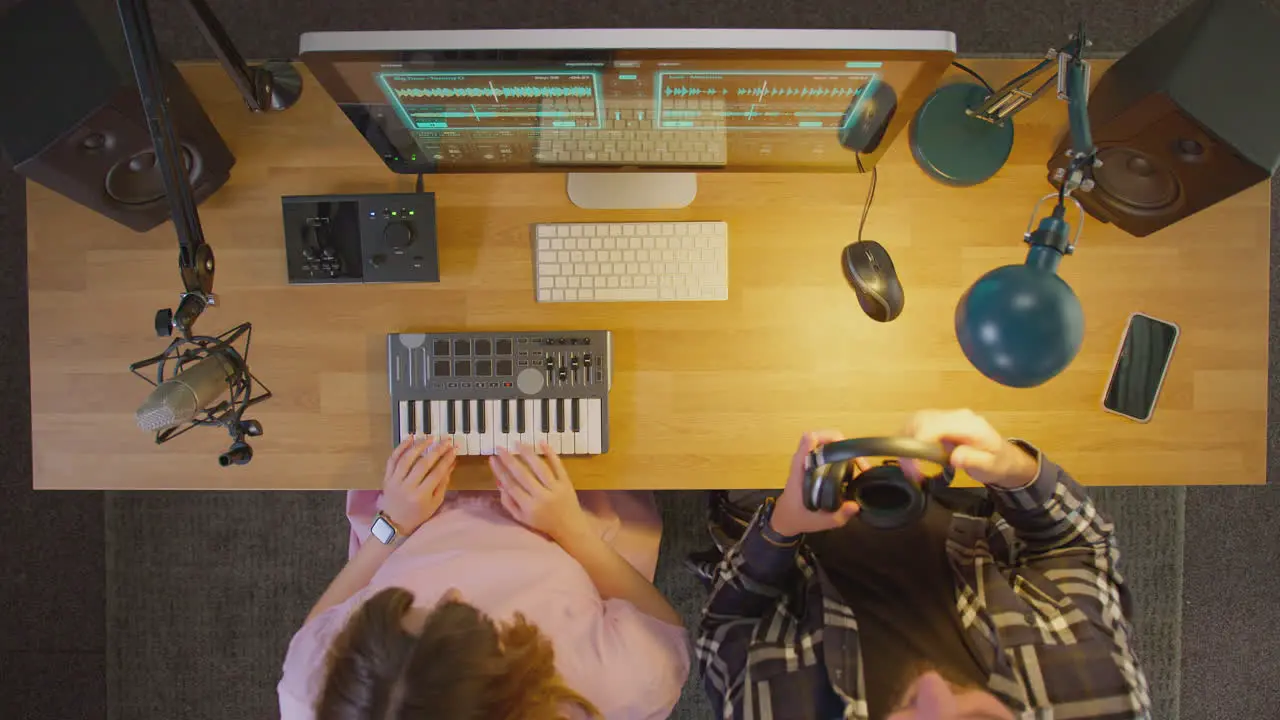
(383, 531)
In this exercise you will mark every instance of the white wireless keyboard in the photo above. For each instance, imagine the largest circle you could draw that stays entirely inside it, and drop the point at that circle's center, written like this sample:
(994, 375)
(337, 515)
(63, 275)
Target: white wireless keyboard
(629, 262)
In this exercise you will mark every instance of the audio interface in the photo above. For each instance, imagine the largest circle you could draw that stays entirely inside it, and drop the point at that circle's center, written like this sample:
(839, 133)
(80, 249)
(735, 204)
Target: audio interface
(382, 238)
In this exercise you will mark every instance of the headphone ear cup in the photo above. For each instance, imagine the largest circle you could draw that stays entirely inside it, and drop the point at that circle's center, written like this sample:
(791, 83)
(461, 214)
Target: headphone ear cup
(824, 487)
(888, 498)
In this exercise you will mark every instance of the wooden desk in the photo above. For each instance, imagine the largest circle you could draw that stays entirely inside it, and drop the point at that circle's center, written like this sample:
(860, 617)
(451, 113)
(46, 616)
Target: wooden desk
(705, 394)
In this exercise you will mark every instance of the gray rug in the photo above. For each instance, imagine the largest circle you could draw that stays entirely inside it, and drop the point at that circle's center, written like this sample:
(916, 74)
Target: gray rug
(204, 590)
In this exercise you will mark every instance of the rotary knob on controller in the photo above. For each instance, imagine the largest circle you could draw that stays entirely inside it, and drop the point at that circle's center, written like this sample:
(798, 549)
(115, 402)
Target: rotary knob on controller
(530, 381)
(398, 234)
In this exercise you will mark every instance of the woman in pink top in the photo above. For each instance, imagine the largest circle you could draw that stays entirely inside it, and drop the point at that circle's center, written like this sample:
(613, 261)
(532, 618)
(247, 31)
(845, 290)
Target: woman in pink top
(515, 604)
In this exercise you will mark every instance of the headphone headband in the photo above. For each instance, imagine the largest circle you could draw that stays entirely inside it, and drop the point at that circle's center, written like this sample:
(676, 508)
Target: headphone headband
(845, 450)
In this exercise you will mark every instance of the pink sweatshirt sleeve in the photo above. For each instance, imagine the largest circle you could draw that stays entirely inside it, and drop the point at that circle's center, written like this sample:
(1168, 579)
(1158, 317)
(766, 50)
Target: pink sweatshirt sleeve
(306, 663)
(647, 661)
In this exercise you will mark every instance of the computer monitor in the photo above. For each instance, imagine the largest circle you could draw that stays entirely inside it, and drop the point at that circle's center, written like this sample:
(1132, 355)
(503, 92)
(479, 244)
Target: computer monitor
(612, 107)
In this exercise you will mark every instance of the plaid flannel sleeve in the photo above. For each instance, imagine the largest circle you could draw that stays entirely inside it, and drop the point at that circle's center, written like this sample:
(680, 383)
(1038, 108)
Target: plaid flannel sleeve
(750, 582)
(1064, 555)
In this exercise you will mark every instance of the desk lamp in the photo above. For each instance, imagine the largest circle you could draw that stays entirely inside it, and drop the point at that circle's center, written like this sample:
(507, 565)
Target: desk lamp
(1019, 325)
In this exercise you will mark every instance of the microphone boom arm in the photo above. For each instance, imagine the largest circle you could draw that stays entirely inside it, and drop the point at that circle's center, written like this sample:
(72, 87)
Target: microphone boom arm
(271, 86)
(195, 257)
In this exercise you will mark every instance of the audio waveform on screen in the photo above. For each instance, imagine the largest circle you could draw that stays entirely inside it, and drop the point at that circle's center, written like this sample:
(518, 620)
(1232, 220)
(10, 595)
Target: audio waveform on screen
(761, 99)
(494, 100)
(492, 91)
(761, 91)
(798, 92)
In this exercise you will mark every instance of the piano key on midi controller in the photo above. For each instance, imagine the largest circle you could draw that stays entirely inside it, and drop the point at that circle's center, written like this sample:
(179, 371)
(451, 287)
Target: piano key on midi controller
(490, 390)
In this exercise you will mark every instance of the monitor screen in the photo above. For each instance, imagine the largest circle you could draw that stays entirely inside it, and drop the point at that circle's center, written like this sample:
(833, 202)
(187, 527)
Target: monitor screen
(499, 103)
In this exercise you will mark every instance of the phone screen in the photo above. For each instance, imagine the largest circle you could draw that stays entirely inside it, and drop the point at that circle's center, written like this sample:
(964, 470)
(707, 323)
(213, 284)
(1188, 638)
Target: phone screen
(1140, 367)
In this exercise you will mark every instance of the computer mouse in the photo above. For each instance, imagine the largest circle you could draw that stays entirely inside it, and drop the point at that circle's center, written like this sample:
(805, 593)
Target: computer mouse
(870, 272)
(865, 121)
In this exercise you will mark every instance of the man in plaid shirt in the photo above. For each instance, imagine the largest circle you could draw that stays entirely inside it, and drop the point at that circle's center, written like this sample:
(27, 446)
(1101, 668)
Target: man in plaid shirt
(1013, 611)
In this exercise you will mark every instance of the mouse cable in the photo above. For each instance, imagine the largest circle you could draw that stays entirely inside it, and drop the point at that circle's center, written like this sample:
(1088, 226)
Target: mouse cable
(419, 184)
(975, 74)
(866, 206)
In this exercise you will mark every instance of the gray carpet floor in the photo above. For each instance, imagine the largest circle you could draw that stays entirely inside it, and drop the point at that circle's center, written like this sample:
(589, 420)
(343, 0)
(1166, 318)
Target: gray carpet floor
(136, 606)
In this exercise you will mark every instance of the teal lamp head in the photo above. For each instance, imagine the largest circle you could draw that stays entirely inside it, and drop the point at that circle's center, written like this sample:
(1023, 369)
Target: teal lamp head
(1021, 325)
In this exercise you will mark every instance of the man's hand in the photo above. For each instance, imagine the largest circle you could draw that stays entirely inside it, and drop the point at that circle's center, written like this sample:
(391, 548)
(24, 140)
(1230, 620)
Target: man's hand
(538, 492)
(975, 447)
(416, 478)
(790, 516)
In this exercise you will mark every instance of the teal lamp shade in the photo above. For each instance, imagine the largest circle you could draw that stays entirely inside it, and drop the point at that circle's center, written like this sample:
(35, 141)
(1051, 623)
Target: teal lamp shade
(1021, 325)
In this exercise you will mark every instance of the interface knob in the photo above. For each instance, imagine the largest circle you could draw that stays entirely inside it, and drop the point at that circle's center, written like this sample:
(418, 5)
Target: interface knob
(398, 234)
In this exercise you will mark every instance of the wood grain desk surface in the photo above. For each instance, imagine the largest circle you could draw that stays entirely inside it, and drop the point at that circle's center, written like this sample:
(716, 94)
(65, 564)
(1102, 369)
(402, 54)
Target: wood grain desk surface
(705, 394)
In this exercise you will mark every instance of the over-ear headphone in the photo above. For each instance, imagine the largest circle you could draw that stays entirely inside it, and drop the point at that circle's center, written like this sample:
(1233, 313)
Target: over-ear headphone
(888, 498)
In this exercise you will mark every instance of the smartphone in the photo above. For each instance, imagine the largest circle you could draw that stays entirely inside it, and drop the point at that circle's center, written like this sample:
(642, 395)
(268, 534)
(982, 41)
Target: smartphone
(1141, 364)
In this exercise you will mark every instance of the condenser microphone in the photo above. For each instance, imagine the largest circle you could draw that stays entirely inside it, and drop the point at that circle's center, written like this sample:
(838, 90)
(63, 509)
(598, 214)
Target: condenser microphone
(178, 399)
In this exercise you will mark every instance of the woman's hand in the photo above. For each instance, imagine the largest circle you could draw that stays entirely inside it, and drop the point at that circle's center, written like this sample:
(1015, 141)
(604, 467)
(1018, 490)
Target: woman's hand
(537, 492)
(790, 516)
(417, 476)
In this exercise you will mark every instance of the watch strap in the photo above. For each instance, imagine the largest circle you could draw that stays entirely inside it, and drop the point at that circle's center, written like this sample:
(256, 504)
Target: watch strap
(770, 535)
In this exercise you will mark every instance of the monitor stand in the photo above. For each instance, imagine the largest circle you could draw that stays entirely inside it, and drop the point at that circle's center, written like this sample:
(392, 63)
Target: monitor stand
(632, 190)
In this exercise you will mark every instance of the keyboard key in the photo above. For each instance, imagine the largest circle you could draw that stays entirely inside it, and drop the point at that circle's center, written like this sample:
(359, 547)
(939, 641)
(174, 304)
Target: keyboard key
(528, 433)
(554, 438)
(631, 294)
(537, 433)
(438, 418)
(404, 421)
(594, 426)
(488, 425)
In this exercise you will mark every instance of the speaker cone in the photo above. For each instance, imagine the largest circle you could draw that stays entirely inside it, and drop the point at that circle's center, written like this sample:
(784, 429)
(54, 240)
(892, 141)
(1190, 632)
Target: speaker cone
(1135, 181)
(136, 180)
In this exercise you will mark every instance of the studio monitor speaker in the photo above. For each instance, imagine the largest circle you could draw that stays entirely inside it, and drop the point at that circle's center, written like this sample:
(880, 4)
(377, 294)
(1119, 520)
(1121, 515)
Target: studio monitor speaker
(1188, 118)
(71, 117)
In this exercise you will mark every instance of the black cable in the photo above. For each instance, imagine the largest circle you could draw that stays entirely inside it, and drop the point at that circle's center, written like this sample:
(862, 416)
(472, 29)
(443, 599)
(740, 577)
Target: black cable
(419, 185)
(975, 74)
(866, 206)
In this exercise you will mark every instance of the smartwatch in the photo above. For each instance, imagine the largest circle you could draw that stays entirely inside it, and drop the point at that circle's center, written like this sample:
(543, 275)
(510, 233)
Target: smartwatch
(385, 530)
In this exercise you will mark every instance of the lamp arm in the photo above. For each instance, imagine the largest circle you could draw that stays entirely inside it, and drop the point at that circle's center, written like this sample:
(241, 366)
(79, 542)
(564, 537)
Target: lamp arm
(1013, 96)
(1073, 86)
(1069, 71)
